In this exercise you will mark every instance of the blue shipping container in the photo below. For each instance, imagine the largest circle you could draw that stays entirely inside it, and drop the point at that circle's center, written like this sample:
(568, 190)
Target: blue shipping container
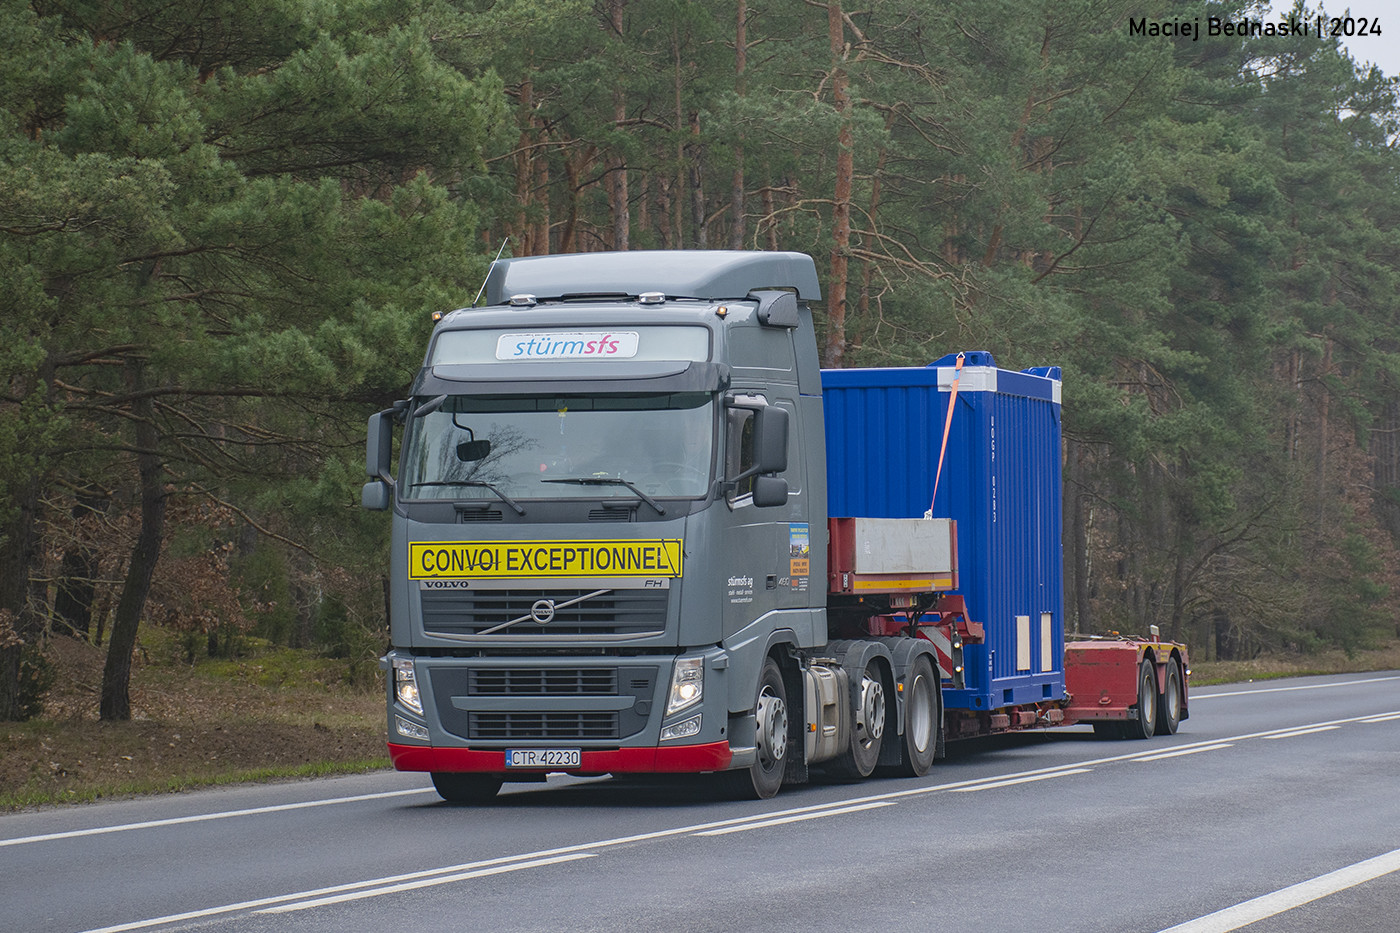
(1000, 482)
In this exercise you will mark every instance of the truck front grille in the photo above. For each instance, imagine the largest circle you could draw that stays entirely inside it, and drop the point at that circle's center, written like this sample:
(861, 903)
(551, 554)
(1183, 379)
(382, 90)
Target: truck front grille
(636, 613)
(489, 703)
(530, 726)
(505, 682)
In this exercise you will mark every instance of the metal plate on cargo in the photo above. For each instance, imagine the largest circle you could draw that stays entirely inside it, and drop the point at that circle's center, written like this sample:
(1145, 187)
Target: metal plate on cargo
(543, 757)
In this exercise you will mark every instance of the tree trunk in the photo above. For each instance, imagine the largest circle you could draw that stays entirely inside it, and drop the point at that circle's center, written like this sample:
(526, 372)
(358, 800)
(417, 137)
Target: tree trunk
(835, 350)
(695, 155)
(115, 702)
(19, 547)
(1385, 446)
(1080, 523)
(770, 217)
(1323, 406)
(20, 623)
(867, 268)
(76, 590)
(77, 582)
(621, 211)
(678, 192)
(736, 188)
(519, 231)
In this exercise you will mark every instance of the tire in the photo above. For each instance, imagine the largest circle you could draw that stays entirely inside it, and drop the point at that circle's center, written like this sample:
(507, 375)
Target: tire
(455, 787)
(1144, 724)
(762, 779)
(1169, 702)
(923, 715)
(867, 726)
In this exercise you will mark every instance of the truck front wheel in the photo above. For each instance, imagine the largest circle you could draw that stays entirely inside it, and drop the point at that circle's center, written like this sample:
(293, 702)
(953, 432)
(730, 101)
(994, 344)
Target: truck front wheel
(763, 778)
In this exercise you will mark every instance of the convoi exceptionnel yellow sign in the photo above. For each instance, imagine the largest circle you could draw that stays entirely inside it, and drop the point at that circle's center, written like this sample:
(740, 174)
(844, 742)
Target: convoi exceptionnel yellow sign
(438, 560)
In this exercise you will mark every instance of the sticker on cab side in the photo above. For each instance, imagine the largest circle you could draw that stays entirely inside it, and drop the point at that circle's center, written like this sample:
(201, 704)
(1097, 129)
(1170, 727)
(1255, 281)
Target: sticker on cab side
(431, 560)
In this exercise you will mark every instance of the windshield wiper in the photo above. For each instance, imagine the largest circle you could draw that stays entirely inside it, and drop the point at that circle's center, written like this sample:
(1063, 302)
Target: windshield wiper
(609, 481)
(476, 483)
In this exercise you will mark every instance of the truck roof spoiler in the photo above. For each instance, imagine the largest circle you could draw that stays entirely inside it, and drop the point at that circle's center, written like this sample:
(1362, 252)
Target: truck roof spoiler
(703, 274)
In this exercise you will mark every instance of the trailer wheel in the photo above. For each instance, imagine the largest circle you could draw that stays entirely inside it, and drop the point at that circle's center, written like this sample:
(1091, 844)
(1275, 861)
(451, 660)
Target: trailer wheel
(762, 779)
(921, 719)
(1144, 724)
(867, 728)
(455, 787)
(1169, 703)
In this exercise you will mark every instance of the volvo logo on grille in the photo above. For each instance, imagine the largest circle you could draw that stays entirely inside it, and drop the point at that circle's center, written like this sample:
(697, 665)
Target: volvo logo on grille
(542, 611)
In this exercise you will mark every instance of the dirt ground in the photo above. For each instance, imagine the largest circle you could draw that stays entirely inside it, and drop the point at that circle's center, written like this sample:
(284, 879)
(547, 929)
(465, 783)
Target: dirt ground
(189, 726)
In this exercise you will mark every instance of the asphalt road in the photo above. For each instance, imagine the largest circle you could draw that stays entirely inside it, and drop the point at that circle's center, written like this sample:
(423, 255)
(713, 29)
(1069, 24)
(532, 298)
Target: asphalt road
(1274, 810)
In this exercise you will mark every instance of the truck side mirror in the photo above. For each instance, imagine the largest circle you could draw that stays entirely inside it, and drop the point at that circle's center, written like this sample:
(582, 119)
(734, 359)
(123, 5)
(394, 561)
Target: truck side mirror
(771, 440)
(379, 444)
(374, 496)
(379, 455)
(769, 491)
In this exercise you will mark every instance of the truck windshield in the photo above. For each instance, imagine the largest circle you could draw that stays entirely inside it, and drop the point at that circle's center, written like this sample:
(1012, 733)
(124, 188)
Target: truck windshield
(521, 447)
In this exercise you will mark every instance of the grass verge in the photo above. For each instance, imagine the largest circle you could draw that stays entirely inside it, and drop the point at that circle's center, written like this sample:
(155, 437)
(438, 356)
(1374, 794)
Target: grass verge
(274, 714)
(1270, 667)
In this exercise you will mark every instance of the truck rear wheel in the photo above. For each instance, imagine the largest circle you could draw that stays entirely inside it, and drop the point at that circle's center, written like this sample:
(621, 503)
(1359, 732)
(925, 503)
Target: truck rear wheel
(1169, 703)
(1144, 724)
(867, 727)
(762, 779)
(921, 718)
(455, 787)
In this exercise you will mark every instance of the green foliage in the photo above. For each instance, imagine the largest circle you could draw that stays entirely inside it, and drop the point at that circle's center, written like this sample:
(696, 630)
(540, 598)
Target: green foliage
(258, 206)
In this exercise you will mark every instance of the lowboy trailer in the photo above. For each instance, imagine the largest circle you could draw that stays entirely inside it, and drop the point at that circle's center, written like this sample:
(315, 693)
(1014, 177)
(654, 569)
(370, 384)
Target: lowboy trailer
(636, 528)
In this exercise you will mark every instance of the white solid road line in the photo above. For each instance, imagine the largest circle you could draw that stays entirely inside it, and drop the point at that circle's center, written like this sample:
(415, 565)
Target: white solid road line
(1241, 693)
(1063, 772)
(1188, 751)
(1241, 915)
(1293, 734)
(763, 824)
(425, 883)
(204, 817)
(381, 886)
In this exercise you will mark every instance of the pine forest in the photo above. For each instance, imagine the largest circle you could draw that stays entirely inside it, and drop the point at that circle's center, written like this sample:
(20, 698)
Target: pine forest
(224, 226)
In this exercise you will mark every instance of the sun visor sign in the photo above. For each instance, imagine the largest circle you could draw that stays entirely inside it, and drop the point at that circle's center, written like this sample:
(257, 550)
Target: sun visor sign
(580, 345)
(448, 560)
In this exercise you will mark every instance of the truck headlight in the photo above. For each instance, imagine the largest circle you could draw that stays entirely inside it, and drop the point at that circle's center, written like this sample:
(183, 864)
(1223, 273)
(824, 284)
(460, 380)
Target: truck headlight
(687, 684)
(406, 685)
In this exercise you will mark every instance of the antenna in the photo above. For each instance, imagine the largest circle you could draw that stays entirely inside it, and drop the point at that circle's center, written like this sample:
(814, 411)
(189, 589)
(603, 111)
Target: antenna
(488, 271)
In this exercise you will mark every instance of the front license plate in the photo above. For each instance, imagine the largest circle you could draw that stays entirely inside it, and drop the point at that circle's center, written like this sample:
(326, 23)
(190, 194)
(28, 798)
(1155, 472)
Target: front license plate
(543, 757)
